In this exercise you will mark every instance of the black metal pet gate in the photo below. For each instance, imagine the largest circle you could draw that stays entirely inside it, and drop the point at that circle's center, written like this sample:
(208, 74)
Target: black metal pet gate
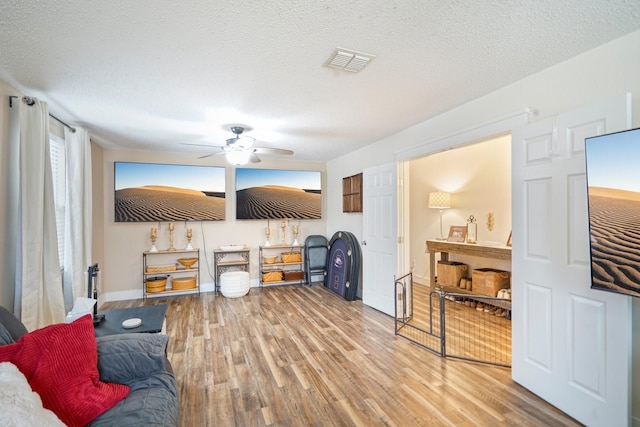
(456, 325)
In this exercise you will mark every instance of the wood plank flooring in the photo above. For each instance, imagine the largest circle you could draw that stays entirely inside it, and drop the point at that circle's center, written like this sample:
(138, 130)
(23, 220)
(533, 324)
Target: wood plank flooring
(302, 356)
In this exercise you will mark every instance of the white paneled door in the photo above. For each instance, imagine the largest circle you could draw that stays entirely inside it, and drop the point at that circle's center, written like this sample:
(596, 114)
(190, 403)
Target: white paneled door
(379, 237)
(571, 344)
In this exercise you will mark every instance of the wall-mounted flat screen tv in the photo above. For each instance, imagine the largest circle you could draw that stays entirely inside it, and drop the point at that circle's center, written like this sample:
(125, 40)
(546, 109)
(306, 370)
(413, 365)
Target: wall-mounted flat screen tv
(278, 194)
(613, 191)
(151, 192)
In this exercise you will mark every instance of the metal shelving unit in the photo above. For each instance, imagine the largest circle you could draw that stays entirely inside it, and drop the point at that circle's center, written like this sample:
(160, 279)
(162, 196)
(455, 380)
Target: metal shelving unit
(180, 271)
(286, 267)
(224, 260)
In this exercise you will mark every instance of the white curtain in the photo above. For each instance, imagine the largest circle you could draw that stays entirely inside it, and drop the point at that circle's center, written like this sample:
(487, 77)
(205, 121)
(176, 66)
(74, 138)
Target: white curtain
(78, 227)
(38, 278)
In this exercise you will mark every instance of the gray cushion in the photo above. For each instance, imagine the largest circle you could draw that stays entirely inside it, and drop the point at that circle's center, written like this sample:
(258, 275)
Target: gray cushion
(126, 357)
(5, 336)
(153, 401)
(12, 324)
(139, 361)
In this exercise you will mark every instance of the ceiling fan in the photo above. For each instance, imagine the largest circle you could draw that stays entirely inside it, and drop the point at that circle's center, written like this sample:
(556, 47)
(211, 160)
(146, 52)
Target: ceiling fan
(240, 150)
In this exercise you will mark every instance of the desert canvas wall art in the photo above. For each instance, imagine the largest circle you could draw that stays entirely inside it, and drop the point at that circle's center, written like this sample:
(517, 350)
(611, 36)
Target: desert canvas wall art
(151, 192)
(278, 194)
(613, 189)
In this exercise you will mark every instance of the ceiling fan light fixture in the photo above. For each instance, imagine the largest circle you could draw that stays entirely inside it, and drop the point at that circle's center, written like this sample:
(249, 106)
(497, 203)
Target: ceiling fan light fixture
(245, 141)
(238, 157)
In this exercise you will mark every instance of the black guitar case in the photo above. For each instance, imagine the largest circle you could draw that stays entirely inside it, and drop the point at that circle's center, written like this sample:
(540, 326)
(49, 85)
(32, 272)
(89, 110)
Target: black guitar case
(343, 265)
(356, 270)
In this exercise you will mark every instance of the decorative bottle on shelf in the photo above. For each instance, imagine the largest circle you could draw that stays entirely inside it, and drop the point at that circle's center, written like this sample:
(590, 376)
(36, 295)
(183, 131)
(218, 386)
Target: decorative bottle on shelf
(267, 233)
(189, 237)
(296, 230)
(171, 228)
(472, 229)
(154, 237)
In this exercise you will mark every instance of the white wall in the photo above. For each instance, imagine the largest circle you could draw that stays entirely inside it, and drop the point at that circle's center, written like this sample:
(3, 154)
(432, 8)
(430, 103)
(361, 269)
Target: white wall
(123, 243)
(478, 177)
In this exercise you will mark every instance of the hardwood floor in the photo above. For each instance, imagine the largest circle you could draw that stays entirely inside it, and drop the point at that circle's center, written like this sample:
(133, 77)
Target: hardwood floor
(302, 356)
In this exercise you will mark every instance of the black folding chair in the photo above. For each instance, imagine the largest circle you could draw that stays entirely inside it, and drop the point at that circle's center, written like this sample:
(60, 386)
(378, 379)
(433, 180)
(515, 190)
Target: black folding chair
(315, 258)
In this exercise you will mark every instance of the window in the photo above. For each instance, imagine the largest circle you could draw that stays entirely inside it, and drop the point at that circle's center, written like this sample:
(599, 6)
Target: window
(58, 172)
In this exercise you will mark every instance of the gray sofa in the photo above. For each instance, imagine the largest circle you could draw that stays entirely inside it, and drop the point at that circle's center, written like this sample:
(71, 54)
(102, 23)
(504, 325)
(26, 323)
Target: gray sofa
(137, 360)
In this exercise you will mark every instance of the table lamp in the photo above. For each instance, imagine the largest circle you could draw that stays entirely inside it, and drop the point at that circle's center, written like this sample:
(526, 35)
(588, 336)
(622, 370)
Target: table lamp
(439, 200)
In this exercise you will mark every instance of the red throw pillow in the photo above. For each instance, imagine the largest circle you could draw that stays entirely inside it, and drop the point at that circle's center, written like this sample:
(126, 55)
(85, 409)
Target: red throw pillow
(60, 363)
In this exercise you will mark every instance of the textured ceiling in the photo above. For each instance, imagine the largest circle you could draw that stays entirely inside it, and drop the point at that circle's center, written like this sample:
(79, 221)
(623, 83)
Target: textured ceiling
(152, 74)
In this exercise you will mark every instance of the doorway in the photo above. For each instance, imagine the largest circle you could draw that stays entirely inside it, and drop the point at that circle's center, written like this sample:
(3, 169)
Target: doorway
(477, 175)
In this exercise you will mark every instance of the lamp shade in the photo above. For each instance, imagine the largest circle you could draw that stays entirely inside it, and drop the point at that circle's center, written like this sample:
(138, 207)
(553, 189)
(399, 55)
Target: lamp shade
(439, 200)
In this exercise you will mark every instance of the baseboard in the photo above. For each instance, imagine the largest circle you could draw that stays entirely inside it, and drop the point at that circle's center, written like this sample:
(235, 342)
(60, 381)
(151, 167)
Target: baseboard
(421, 280)
(137, 293)
(120, 296)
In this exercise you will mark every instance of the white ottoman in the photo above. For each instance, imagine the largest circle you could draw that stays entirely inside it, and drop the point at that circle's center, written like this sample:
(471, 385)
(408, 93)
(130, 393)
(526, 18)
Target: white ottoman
(234, 284)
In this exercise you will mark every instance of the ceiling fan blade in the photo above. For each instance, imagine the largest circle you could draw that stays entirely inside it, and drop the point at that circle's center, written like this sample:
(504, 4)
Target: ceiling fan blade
(254, 159)
(278, 151)
(201, 145)
(208, 155)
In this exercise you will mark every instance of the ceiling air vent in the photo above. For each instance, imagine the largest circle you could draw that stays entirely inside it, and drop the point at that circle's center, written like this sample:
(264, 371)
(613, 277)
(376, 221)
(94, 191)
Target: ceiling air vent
(349, 60)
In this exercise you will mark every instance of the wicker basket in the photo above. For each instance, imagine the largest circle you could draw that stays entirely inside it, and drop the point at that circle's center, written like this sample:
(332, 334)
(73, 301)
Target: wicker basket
(183, 283)
(488, 281)
(269, 259)
(272, 276)
(161, 268)
(156, 284)
(450, 273)
(291, 257)
(188, 262)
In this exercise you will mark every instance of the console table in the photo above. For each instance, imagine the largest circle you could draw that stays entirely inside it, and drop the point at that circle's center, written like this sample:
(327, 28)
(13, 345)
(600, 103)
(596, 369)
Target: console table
(501, 252)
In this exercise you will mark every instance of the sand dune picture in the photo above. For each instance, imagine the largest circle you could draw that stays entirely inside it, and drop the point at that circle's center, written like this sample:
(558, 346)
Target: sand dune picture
(149, 192)
(167, 204)
(614, 217)
(277, 202)
(278, 194)
(613, 190)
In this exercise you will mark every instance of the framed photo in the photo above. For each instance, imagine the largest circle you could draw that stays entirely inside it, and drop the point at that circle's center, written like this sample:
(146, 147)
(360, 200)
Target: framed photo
(457, 233)
(509, 239)
(278, 194)
(152, 192)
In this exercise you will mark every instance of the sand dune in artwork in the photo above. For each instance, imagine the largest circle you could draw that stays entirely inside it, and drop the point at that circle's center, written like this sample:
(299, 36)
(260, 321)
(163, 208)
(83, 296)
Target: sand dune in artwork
(271, 201)
(614, 193)
(615, 239)
(174, 190)
(156, 203)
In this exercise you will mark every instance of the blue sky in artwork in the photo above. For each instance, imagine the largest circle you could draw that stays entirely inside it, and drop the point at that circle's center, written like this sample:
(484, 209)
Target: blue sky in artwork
(613, 161)
(201, 178)
(307, 180)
